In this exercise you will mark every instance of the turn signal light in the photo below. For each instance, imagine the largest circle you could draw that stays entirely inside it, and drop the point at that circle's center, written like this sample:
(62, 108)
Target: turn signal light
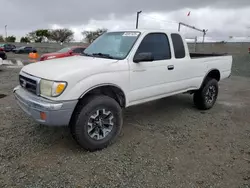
(43, 115)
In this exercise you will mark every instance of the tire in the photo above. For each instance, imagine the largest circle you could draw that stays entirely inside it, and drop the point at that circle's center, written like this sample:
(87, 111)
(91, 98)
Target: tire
(5, 57)
(206, 96)
(87, 130)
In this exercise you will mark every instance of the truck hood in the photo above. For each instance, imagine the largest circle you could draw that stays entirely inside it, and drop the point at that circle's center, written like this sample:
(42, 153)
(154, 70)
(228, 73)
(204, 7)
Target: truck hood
(60, 69)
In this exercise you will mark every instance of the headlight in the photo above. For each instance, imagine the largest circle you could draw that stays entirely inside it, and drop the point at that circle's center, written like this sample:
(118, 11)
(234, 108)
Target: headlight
(51, 88)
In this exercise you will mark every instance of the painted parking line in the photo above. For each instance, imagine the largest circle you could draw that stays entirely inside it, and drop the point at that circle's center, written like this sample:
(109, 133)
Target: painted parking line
(15, 63)
(12, 63)
(14, 67)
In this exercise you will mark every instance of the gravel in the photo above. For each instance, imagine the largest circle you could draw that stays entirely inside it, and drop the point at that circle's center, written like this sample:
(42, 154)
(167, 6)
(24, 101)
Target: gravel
(165, 143)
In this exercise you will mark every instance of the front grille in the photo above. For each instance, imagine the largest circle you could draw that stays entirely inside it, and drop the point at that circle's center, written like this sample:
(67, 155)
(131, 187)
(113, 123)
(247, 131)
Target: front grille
(28, 84)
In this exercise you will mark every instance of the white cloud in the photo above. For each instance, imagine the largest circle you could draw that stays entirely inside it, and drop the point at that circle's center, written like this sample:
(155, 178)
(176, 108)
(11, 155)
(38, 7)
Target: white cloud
(221, 23)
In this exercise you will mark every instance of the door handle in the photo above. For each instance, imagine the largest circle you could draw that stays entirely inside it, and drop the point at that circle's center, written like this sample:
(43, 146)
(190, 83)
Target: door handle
(170, 67)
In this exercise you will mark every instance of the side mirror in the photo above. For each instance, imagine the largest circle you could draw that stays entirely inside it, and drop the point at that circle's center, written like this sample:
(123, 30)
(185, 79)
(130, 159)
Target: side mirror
(145, 56)
(70, 52)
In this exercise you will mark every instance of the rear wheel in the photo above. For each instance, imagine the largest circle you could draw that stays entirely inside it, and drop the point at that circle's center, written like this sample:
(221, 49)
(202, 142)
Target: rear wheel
(97, 122)
(206, 96)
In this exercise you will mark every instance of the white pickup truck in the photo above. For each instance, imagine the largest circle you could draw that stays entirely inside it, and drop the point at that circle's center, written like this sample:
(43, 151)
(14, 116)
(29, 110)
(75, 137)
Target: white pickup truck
(119, 69)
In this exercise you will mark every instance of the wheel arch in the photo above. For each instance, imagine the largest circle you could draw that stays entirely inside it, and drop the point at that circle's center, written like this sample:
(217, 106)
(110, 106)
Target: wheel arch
(213, 73)
(107, 89)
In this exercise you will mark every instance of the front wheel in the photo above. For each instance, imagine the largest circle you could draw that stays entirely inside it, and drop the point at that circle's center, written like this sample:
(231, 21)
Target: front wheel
(206, 96)
(97, 122)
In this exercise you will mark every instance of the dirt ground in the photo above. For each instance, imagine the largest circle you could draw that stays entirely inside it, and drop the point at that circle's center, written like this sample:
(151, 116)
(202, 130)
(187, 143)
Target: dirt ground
(165, 143)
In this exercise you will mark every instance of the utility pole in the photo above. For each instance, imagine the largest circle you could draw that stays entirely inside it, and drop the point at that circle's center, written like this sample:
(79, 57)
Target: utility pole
(179, 27)
(204, 34)
(137, 18)
(5, 31)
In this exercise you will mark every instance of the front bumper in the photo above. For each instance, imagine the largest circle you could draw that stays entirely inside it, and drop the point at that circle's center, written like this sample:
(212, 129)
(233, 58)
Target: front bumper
(56, 113)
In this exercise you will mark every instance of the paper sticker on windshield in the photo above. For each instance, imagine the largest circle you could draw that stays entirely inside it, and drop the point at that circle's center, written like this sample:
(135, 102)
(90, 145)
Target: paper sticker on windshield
(130, 34)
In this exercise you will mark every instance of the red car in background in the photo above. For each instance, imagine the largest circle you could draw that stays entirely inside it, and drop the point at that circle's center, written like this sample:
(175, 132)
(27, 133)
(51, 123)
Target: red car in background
(65, 52)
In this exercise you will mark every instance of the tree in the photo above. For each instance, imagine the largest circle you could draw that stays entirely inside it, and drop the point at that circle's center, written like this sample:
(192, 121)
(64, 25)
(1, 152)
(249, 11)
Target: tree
(39, 35)
(10, 39)
(1, 38)
(90, 36)
(25, 40)
(61, 35)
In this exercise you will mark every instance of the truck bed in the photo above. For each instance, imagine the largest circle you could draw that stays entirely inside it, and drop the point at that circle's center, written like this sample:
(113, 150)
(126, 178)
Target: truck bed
(204, 55)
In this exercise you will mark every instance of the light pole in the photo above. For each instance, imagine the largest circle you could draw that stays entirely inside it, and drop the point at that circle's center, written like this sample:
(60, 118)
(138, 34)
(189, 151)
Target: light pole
(5, 31)
(137, 19)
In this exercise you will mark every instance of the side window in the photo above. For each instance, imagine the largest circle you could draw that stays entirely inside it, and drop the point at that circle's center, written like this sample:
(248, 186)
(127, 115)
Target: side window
(78, 50)
(157, 44)
(179, 49)
(82, 50)
(28, 49)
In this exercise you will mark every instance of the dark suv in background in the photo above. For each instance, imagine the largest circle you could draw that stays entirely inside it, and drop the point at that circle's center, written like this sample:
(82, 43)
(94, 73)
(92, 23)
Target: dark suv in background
(24, 50)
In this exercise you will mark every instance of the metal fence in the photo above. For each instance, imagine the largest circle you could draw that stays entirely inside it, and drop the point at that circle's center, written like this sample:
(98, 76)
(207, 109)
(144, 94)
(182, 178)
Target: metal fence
(231, 48)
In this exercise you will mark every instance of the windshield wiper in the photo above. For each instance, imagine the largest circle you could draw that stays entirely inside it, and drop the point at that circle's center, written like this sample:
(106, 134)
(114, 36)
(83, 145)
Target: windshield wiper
(103, 55)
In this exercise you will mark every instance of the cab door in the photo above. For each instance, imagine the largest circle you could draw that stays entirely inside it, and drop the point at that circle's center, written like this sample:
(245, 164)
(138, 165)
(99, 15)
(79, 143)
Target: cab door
(151, 79)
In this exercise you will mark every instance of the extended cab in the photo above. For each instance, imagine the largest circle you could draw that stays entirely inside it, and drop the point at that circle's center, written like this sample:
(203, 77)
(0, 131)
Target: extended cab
(119, 69)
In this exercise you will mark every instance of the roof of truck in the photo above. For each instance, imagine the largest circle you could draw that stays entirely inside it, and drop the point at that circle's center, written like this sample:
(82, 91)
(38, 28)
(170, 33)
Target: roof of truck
(146, 30)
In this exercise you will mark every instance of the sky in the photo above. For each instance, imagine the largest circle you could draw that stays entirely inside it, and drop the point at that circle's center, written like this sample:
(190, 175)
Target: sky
(222, 18)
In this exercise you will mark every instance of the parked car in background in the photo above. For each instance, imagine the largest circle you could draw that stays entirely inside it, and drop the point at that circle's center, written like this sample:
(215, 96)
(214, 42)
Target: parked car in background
(23, 50)
(65, 52)
(3, 55)
(1, 47)
(7, 47)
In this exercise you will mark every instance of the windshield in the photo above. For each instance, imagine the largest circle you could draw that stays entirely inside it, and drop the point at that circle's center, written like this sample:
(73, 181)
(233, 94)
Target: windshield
(114, 45)
(64, 50)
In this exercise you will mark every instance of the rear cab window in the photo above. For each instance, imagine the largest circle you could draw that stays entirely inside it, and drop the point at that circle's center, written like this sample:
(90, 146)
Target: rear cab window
(179, 49)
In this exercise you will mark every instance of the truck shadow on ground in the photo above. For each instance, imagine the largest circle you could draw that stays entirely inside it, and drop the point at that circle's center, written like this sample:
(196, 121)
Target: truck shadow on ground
(171, 105)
